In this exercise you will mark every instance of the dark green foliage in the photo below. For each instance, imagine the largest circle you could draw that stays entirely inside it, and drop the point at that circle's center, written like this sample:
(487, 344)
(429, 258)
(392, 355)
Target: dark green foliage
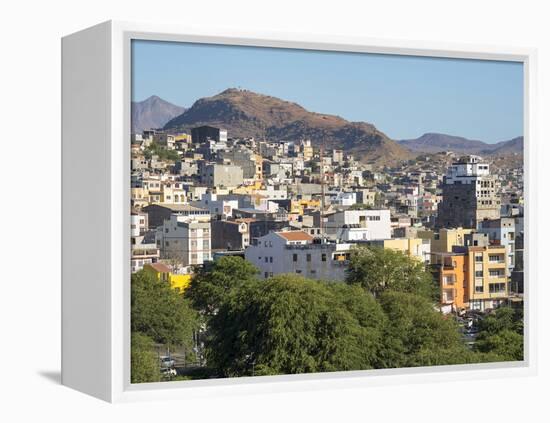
(144, 361)
(381, 269)
(501, 334)
(289, 324)
(214, 283)
(160, 312)
(418, 335)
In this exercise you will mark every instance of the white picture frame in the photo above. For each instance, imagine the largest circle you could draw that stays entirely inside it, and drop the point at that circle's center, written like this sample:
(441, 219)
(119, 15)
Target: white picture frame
(95, 201)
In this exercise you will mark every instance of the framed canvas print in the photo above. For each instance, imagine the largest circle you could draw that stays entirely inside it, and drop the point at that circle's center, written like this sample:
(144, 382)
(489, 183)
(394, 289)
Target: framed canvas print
(263, 212)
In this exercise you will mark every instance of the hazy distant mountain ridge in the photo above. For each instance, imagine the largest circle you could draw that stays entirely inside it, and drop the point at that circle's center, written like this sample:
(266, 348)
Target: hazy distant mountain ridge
(153, 113)
(248, 114)
(435, 142)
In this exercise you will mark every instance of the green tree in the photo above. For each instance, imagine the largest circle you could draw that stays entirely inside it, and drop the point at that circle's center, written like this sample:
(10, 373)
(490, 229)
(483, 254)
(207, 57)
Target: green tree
(501, 334)
(144, 361)
(418, 335)
(379, 269)
(161, 312)
(507, 344)
(289, 324)
(160, 151)
(213, 283)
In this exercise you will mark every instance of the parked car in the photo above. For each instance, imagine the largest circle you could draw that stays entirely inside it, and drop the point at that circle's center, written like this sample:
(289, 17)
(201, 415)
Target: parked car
(167, 362)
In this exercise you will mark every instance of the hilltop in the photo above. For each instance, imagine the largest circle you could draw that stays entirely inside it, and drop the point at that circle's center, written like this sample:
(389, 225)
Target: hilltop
(248, 114)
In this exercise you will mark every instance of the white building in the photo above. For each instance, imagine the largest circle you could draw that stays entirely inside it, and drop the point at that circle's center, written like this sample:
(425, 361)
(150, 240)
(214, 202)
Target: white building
(298, 252)
(187, 242)
(218, 205)
(376, 223)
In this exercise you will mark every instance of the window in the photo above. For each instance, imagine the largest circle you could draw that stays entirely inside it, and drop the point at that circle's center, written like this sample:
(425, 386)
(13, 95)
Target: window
(495, 273)
(495, 288)
(308, 257)
(479, 289)
(294, 258)
(479, 273)
(324, 257)
(298, 271)
(205, 244)
(271, 259)
(265, 259)
(266, 275)
(478, 258)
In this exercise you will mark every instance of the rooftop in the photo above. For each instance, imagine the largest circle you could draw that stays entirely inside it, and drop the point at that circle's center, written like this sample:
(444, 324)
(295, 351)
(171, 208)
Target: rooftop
(160, 267)
(295, 236)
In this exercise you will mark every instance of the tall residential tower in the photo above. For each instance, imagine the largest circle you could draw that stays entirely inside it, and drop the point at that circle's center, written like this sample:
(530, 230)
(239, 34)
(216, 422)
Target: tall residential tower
(469, 195)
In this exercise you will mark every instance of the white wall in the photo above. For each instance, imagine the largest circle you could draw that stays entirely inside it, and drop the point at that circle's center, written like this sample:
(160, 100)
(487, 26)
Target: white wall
(30, 39)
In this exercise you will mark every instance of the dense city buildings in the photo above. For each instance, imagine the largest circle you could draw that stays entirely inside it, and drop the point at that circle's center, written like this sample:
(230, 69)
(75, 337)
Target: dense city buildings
(292, 206)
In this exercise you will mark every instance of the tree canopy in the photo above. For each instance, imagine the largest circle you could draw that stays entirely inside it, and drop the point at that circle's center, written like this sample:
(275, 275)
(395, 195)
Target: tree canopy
(160, 312)
(380, 269)
(144, 361)
(289, 324)
(501, 334)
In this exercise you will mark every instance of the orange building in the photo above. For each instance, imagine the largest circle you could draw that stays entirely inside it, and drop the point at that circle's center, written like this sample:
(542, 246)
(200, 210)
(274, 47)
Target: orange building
(450, 270)
(471, 277)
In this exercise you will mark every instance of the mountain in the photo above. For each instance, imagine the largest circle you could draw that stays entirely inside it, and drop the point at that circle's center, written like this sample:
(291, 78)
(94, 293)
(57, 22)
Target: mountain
(503, 148)
(434, 142)
(153, 113)
(248, 114)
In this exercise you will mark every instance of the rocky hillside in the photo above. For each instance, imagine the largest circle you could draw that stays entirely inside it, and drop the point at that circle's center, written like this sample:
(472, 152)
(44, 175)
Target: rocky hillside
(247, 114)
(434, 142)
(153, 113)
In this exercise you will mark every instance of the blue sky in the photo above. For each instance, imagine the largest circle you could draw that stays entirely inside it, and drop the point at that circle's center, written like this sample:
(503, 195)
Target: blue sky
(401, 95)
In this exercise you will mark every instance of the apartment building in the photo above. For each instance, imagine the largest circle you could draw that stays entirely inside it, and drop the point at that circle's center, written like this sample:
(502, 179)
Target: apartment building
(472, 277)
(469, 195)
(416, 248)
(185, 242)
(300, 253)
(376, 222)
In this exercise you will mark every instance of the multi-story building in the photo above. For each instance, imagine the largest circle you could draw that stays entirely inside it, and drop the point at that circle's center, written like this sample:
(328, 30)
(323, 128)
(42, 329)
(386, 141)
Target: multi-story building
(443, 240)
(186, 243)
(219, 175)
(502, 232)
(416, 248)
(472, 277)
(230, 234)
(203, 134)
(450, 272)
(469, 195)
(158, 213)
(300, 253)
(376, 222)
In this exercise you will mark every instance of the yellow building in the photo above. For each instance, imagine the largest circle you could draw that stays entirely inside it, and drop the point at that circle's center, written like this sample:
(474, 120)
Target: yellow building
(248, 189)
(442, 241)
(487, 284)
(162, 273)
(416, 248)
(299, 206)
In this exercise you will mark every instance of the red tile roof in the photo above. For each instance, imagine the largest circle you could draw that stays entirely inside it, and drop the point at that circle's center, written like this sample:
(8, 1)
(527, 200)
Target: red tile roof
(295, 236)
